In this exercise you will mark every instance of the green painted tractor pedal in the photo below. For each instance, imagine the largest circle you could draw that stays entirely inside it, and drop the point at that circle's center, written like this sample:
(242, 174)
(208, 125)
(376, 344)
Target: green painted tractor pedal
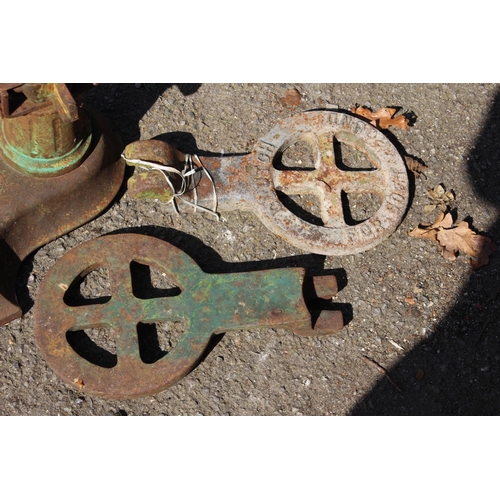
(206, 304)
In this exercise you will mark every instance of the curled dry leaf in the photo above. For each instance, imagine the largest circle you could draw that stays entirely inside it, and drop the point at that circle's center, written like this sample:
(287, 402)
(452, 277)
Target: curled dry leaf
(415, 166)
(383, 118)
(440, 199)
(454, 239)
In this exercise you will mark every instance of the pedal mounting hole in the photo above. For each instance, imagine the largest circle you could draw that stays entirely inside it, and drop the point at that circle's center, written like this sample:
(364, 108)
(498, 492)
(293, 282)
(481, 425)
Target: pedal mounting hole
(91, 288)
(358, 207)
(150, 282)
(96, 345)
(298, 156)
(348, 158)
(304, 206)
(157, 339)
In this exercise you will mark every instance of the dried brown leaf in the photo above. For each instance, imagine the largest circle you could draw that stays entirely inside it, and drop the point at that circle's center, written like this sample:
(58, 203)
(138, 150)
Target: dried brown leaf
(384, 113)
(443, 221)
(440, 199)
(399, 122)
(374, 115)
(292, 98)
(415, 166)
(383, 118)
(429, 208)
(454, 239)
(437, 192)
(440, 195)
(459, 239)
(487, 247)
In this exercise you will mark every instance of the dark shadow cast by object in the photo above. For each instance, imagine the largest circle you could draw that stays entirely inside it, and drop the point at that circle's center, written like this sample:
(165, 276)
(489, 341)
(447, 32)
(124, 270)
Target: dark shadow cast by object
(456, 369)
(125, 104)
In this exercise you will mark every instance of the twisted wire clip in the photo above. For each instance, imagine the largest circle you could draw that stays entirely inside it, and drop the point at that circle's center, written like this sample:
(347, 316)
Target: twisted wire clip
(192, 165)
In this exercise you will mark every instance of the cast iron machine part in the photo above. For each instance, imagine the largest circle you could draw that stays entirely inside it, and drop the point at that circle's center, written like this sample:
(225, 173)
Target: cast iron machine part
(60, 167)
(256, 181)
(206, 304)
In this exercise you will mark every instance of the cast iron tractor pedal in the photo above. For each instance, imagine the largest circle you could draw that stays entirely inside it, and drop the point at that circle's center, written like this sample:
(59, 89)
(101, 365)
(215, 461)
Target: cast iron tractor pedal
(207, 304)
(261, 182)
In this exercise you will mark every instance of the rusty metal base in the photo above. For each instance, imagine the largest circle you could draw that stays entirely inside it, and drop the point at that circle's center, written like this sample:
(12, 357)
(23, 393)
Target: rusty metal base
(36, 210)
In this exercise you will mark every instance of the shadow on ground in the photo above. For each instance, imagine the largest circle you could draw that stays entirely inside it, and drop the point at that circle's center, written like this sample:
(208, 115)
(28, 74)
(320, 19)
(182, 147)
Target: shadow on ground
(125, 104)
(456, 370)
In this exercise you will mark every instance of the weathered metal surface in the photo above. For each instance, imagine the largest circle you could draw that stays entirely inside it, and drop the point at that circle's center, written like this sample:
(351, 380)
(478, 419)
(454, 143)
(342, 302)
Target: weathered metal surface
(255, 181)
(55, 175)
(45, 135)
(18, 99)
(147, 185)
(207, 304)
(325, 287)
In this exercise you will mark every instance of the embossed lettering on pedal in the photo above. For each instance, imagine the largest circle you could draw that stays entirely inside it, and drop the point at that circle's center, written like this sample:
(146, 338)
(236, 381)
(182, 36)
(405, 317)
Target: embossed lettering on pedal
(388, 181)
(265, 151)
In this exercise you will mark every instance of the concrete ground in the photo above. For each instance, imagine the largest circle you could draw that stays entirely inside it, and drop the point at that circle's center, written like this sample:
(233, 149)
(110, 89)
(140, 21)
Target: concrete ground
(429, 325)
